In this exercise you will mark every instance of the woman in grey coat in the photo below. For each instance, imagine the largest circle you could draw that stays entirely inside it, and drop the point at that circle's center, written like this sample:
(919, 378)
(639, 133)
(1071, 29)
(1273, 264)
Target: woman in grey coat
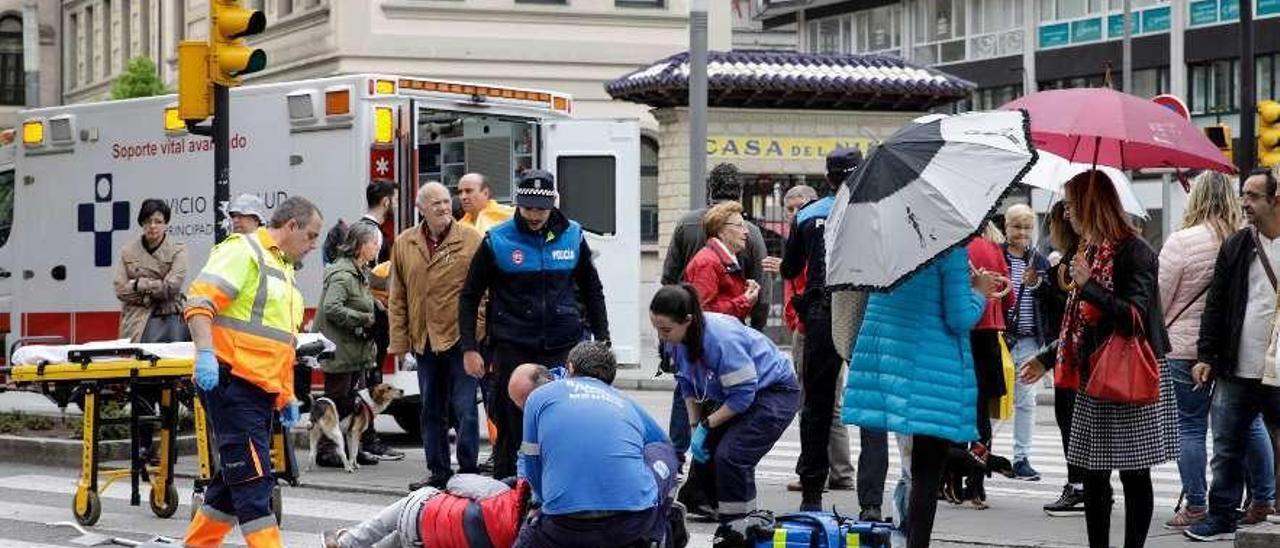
(149, 278)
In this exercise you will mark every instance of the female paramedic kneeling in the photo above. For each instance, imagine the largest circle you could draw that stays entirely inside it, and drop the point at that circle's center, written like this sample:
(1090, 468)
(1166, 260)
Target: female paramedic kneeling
(721, 361)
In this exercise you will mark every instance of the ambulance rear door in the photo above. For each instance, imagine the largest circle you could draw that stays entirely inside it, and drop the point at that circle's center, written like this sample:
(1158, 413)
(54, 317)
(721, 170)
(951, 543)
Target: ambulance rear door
(597, 167)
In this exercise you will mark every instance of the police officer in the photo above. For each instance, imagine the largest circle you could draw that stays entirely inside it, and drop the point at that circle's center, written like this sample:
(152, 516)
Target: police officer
(534, 267)
(806, 247)
(244, 310)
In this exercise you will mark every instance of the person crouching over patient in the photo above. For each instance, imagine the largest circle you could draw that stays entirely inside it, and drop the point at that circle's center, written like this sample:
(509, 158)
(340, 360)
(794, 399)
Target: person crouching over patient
(598, 463)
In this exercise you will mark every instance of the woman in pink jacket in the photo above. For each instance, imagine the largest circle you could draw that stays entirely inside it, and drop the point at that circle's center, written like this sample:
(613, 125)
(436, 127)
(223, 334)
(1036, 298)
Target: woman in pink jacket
(1186, 268)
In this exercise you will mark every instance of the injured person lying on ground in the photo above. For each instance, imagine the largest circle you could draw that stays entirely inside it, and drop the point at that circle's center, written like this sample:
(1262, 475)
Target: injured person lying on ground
(430, 517)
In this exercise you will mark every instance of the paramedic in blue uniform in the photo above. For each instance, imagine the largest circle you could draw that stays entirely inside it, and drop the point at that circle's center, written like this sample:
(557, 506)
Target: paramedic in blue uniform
(536, 268)
(805, 254)
(600, 466)
(721, 361)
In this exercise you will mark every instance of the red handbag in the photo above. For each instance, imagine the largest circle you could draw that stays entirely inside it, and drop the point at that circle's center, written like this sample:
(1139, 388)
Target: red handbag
(1125, 370)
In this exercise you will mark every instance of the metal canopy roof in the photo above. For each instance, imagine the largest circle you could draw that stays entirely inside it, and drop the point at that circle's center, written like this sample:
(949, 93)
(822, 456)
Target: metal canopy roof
(777, 79)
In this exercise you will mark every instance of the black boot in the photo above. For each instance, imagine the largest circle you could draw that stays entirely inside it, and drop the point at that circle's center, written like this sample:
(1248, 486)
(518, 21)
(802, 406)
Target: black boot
(811, 499)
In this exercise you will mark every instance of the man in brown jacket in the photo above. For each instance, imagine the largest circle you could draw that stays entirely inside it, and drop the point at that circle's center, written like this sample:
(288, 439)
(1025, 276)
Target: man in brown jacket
(429, 265)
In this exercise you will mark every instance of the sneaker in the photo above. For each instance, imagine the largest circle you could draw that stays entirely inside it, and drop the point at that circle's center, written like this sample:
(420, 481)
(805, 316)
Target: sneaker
(382, 451)
(1256, 514)
(840, 485)
(1071, 503)
(1022, 470)
(329, 539)
(1186, 517)
(1209, 530)
(871, 513)
(429, 481)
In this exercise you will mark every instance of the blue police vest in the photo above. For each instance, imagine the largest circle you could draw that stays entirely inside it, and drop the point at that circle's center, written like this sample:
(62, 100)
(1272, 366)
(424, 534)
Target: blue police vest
(535, 303)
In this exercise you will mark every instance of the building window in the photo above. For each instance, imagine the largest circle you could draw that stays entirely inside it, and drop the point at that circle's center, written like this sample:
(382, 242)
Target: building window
(12, 80)
(987, 98)
(107, 25)
(1213, 86)
(284, 8)
(126, 36)
(88, 45)
(648, 190)
(876, 30)
(640, 3)
(73, 52)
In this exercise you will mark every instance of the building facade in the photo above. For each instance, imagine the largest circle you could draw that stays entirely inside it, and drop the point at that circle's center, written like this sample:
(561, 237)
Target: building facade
(1188, 48)
(13, 93)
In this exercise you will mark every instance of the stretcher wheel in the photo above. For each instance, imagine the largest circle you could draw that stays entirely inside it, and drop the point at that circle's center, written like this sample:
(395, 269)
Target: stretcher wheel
(170, 505)
(197, 500)
(277, 504)
(93, 509)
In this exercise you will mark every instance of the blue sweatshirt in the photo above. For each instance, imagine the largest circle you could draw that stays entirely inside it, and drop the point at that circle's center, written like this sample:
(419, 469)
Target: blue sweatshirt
(737, 361)
(583, 448)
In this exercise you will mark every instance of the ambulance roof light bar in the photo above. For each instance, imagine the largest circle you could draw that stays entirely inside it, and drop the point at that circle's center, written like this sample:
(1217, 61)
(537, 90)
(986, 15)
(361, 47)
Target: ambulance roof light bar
(480, 93)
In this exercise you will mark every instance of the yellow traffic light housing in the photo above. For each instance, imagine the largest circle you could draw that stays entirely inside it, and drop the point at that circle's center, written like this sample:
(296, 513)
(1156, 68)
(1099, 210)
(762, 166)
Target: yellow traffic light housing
(1220, 135)
(195, 93)
(229, 57)
(1268, 133)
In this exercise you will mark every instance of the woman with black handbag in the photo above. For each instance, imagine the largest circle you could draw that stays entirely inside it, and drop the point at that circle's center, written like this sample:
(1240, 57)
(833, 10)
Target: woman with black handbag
(1114, 307)
(149, 280)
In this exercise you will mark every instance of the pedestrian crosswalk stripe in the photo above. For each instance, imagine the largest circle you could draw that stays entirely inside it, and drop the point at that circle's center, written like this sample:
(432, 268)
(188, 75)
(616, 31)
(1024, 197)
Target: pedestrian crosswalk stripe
(293, 506)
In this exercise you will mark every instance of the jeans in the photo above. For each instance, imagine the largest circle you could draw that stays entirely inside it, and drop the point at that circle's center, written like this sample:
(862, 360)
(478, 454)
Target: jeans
(1024, 400)
(443, 381)
(1236, 404)
(1193, 427)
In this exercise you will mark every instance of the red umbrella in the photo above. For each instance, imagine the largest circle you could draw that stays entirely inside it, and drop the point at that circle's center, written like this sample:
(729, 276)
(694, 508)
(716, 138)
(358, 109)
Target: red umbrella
(1102, 126)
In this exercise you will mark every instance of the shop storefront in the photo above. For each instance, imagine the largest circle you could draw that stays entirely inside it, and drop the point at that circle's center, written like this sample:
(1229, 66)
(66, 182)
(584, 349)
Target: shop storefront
(776, 115)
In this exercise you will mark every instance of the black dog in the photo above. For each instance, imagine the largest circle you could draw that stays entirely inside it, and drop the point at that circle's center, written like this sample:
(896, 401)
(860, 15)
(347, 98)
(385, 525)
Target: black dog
(962, 474)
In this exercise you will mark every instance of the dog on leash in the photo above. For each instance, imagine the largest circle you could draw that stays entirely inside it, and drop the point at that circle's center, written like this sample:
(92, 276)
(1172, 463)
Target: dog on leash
(345, 433)
(960, 474)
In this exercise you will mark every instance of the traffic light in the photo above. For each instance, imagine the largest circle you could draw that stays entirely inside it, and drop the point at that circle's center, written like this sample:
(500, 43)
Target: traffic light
(1268, 133)
(1220, 135)
(195, 91)
(229, 57)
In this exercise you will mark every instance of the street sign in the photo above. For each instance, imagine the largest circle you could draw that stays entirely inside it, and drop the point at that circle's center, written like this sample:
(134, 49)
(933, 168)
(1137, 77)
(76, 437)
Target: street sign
(1172, 102)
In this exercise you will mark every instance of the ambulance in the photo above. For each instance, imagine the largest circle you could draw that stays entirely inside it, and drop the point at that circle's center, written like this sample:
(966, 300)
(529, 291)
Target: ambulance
(72, 182)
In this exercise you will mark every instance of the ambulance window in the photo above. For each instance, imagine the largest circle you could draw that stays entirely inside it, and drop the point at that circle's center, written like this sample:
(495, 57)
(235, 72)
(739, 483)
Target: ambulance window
(588, 191)
(6, 205)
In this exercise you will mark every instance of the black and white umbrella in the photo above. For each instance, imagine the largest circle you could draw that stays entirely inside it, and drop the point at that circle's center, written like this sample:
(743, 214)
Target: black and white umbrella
(925, 190)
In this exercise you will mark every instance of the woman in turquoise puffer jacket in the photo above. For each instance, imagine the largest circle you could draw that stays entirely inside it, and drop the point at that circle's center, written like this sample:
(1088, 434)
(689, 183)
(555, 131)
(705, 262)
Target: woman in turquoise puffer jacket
(912, 372)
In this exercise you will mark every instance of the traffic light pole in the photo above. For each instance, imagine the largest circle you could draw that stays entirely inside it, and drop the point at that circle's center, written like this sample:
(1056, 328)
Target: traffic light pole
(221, 160)
(1245, 153)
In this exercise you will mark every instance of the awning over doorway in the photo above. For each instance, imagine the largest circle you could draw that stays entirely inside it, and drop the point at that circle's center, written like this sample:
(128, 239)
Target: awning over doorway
(775, 79)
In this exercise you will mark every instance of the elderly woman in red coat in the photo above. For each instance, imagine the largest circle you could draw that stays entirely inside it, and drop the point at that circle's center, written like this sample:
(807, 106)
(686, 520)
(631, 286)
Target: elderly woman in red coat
(714, 270)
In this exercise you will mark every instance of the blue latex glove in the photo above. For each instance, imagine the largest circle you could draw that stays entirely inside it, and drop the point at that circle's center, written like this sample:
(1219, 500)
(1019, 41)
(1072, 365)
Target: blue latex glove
(206, 373)
(290, 414)
(697, 444)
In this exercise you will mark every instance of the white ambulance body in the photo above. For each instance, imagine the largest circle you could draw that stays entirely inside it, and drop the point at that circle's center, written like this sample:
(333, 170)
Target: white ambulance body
(83, 170)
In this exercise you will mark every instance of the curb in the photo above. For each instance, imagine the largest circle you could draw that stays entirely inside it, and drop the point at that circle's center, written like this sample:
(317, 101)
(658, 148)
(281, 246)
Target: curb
(981, 541)
(68, 452)
(1263, 536)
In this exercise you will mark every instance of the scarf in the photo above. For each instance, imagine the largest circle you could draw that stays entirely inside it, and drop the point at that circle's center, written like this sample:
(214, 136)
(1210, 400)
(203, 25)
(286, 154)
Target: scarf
(1080, 314)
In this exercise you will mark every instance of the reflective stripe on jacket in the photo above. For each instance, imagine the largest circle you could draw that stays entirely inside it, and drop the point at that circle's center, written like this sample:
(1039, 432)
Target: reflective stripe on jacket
(248, 289)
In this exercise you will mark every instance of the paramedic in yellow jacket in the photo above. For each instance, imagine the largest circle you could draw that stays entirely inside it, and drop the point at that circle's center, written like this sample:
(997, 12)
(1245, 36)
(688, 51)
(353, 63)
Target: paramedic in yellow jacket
(244, 310)
(479, 209)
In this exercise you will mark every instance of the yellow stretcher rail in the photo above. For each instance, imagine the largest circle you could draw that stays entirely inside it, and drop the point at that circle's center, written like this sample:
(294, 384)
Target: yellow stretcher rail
(133, 369)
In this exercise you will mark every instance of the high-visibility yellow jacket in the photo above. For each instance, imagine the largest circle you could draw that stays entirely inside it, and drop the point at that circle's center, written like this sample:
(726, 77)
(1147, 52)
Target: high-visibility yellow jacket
(492, 215)
(248, 290)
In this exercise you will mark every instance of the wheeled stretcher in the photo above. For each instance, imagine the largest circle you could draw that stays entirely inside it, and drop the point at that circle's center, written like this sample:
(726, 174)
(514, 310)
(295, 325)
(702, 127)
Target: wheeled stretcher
(91, 372)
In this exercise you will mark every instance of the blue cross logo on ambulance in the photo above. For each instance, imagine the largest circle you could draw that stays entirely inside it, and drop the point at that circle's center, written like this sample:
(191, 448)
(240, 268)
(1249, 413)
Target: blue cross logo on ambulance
(102, 217)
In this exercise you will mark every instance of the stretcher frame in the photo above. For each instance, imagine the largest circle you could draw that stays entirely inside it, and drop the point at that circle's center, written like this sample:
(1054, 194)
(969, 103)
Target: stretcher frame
(132, 367)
